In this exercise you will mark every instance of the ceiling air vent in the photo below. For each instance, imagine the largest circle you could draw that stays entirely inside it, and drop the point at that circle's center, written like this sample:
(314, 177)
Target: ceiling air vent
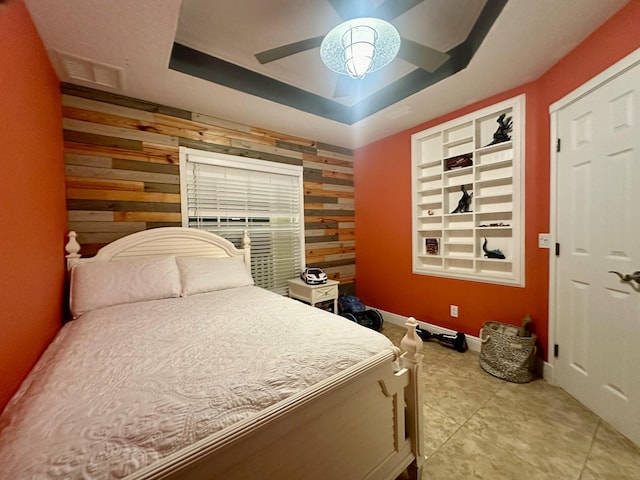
(85, 70)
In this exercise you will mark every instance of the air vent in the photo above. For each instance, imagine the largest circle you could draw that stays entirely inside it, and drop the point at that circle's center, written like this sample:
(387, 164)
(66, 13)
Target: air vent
(85, 70)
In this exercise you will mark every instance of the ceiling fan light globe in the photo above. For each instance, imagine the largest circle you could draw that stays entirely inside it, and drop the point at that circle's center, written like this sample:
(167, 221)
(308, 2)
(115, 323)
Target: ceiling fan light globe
(358, 65)
(360, 46)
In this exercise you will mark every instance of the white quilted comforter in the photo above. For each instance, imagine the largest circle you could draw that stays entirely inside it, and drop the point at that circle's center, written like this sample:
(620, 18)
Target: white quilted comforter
(126, 385)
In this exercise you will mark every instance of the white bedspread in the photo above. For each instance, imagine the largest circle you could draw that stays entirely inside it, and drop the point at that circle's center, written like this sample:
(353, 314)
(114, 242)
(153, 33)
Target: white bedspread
(126, 385)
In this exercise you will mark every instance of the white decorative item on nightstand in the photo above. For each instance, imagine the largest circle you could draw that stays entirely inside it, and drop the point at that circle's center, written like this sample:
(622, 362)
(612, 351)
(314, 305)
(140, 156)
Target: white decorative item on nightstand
(314, 294)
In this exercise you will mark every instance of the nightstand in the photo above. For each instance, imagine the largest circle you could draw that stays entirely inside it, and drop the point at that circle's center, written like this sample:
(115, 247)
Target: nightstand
(313, 294)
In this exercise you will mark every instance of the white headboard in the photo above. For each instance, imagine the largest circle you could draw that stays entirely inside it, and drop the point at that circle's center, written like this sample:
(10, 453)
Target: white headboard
(179, 241)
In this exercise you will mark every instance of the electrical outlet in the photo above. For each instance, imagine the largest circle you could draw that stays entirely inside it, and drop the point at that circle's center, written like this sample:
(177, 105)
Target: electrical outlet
(454, 310)
(543, 240)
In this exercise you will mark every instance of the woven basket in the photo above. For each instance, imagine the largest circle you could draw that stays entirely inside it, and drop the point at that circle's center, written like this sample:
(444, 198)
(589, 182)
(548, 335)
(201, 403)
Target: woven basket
(504, 354)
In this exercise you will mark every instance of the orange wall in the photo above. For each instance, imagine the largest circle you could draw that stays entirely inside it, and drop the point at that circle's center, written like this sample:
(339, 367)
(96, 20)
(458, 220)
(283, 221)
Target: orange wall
(383, 203)
(33, 216)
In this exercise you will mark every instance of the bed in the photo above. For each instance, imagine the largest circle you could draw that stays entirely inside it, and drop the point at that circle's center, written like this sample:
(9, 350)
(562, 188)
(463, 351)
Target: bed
(176, 366)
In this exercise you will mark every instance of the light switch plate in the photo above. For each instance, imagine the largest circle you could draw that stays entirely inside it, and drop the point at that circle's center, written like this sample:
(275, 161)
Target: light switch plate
(543, 240)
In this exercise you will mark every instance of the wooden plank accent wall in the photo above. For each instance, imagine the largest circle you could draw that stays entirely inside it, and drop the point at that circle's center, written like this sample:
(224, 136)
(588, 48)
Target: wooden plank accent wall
(123, 173)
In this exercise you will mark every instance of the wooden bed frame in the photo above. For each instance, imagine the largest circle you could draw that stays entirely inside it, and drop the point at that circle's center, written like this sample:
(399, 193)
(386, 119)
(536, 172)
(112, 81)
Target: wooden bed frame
(363, 423)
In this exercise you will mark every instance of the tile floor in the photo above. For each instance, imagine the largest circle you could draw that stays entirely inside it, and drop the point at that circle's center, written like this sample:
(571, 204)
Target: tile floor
(478, 426)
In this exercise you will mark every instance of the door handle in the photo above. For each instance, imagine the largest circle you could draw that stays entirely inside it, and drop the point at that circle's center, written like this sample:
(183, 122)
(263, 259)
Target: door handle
(628, 277)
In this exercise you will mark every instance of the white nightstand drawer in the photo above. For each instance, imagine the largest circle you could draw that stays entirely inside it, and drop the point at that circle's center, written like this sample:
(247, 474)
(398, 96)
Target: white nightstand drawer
(324, 292)
(315, 293)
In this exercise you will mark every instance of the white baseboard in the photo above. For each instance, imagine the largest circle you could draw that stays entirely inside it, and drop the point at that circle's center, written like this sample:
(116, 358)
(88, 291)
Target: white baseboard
(395, 319)
(545, 369)
(549, 373)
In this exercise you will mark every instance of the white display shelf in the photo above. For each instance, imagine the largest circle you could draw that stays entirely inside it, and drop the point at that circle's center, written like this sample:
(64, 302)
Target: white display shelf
(460, 154)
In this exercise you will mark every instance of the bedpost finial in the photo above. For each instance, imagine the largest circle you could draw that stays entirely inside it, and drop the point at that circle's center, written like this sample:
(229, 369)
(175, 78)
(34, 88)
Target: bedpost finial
(411, 342)
(246, 246)
(72, 247)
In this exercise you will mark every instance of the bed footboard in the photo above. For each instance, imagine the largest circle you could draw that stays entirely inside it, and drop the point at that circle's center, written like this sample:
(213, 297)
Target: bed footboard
(365, 423)
(411, 360)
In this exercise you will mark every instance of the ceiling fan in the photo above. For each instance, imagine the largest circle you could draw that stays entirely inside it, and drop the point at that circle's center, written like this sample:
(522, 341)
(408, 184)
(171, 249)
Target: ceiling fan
(421, 56)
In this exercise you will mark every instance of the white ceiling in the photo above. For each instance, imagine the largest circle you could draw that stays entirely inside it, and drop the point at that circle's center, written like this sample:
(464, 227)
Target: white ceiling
(440, 24)
(137, 36)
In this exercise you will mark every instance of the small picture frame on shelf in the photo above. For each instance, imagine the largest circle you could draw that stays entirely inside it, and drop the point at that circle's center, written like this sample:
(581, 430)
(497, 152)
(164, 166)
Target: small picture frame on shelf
(432, 246)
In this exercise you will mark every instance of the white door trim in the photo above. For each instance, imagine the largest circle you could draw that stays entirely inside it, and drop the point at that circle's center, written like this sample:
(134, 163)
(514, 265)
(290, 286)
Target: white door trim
(618, 68)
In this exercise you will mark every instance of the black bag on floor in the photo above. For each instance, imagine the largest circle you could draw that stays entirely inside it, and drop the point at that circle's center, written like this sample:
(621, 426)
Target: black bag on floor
(351, 307)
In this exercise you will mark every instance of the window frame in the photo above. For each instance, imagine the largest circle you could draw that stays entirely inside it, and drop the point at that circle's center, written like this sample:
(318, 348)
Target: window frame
(241, 163)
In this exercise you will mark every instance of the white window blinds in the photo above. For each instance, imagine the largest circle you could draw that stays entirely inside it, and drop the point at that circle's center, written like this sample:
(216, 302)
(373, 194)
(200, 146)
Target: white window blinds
(227, 195)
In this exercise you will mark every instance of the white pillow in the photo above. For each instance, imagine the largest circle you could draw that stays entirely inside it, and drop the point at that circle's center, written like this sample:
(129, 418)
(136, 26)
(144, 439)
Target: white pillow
(206, 274)
(102, 284)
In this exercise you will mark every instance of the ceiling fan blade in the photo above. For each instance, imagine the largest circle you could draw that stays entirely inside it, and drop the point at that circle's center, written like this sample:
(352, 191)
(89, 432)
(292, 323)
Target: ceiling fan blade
(344, 86)
(347, 9)
(423, 57)
(285, 50)
(394, 8)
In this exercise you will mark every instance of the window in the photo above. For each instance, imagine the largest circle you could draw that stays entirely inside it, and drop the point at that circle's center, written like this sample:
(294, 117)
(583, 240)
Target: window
(227, 195)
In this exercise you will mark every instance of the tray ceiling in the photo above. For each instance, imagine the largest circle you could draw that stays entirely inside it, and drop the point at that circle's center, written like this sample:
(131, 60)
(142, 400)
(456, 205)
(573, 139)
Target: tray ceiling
(139, 49)
(302, 81)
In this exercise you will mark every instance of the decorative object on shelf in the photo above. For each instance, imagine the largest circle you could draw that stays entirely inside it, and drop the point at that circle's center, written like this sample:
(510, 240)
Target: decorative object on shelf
(432, 246)
(502, 133)
(429, 212)
(498, 224)
(465, 201)
(491, 253)
(459, 161)
(458, 341)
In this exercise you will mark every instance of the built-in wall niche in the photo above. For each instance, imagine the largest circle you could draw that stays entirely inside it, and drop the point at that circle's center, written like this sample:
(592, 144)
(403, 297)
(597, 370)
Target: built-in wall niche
(468, 196)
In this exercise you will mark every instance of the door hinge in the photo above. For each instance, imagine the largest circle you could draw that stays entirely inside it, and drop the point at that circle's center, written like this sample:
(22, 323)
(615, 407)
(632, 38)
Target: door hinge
(556, 350)
(557, 144)
(557, 249)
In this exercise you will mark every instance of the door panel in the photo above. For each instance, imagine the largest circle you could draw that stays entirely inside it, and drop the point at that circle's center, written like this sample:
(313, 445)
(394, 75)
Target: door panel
(598, 227)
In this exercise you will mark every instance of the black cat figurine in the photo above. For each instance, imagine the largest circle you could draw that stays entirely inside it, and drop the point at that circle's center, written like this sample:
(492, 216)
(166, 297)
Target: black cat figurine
(465, 202)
